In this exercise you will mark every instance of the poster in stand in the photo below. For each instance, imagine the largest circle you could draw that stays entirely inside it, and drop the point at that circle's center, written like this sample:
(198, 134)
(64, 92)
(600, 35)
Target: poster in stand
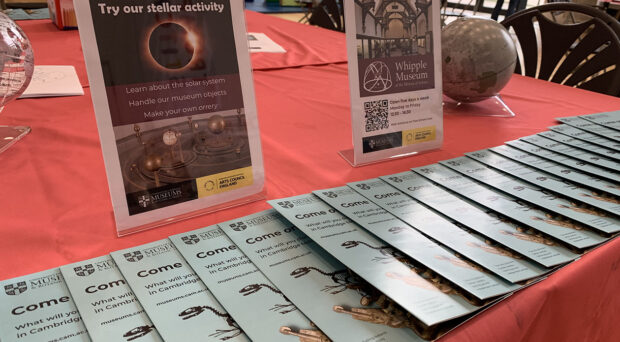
(394, 56)
(174, 101)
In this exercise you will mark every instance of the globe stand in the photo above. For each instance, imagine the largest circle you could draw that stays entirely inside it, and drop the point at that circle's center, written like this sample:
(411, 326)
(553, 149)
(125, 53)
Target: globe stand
(9, 135)
(493, 106)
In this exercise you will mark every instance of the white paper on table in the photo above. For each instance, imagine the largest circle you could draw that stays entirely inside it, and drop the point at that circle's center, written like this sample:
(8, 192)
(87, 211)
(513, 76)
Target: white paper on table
(260, 42)
(53, 80)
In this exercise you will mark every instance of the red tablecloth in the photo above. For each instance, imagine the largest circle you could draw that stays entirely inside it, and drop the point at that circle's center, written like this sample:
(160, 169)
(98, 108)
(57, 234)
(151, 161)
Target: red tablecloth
(55, 207)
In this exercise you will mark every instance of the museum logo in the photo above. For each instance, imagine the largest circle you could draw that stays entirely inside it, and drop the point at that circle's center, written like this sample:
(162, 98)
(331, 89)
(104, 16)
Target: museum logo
(330, 194)
(395, 179)
(144, 201)
(238, 227)
(286, 204)
(190, 239)
(15, 289)
(363, 186)
(377, 77)
(85, 270)
(133, 256)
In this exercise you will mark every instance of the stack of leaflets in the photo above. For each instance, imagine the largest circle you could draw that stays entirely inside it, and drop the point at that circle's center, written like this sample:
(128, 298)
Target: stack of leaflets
(402, 257)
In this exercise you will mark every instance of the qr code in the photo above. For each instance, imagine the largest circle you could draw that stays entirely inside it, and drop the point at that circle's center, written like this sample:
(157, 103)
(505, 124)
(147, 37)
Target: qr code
(376, 115)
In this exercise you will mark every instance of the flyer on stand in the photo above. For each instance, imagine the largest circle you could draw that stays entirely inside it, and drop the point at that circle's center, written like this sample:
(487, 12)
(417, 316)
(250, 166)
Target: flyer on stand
(174, 101)
(39, 307)
(258, 306)
(110, 310)
(566, 231)
(477, 218)
(313, 280)
(534, 194)
(505, 264)
(586, 136)
(394, 79)
(374, 260)
(464, 274)
(176, 300)
(566, 160)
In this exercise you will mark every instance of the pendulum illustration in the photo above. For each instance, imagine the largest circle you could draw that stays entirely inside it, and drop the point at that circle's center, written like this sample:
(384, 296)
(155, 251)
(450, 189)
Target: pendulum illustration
(153, 163)
(172, 46)
(136, 129)
(193, 126)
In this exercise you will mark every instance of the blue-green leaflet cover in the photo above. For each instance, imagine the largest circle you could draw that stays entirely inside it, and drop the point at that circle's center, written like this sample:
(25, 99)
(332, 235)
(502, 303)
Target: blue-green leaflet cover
(381, 223)
(39, 308)
(531, 193)
(609, 119)
(549, 182)
(591, 127)
(559, 170)
(438, 227)
(577, 133)
(582, 144)
(110, 310)
(566, 160)
(587, 156)
(568, 232)
(312, 279)
(481, 220)
(257, 305)
(176, 300)
(371, 259)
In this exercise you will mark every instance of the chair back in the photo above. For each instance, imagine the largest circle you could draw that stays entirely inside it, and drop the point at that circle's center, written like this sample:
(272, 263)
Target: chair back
(328, 14)
(584, 55)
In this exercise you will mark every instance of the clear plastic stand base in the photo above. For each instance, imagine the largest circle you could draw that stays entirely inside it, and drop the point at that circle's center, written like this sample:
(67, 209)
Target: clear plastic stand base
(349, 156)
(9, 135)
(493, 106)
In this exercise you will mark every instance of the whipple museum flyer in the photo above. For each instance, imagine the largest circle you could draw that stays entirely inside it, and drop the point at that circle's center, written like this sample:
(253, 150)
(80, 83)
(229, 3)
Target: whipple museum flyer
(38, 307)
(394, 56)
(174, 100)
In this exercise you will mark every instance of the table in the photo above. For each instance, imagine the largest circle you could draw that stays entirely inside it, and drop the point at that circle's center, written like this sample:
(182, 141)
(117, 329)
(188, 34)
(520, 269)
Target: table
(55, 206)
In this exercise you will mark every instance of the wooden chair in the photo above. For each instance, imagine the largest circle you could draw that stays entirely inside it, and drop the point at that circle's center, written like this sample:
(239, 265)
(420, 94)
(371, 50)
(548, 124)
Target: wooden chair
(584, 55)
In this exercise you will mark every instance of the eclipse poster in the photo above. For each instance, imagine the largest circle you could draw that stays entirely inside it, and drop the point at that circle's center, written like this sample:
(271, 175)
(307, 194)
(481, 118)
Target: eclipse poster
(394, 54)
(174, 100)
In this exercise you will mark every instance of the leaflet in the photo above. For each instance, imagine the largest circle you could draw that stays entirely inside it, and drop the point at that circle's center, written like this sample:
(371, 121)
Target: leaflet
(591, 127)
(38, 307)
(501, 262)
(110, 310)
(570, 151)
(587, 136)
(582, 144)
(477, 218)
(548, 181)
(372, 260)
(609, 119)
(556, 169)
(566, 231)
(564, 160)
(468, 276)
(257, 305)
(533, 194)
(312, 279)
(178, 303)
